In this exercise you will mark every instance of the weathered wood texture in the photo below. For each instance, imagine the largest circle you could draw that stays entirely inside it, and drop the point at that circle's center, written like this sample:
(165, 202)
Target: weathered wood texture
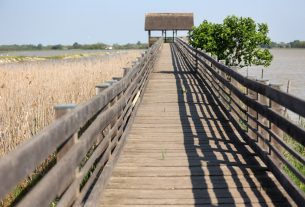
(266, 140)
(83, 168)
(184, 151)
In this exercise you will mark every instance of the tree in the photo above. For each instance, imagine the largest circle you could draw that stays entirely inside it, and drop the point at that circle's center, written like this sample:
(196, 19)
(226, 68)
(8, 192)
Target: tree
(297, 44)
(39, 46)
(238, 40)
(76, 45)
(57, 47)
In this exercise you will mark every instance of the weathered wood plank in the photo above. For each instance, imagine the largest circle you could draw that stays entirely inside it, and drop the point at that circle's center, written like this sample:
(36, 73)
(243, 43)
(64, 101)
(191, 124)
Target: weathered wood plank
(183, 150)
(136, 171)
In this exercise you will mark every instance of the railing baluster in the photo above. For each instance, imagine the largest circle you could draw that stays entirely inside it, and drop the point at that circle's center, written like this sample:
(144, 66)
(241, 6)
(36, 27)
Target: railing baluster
(207, 61)
(126, 70)
(281, 110)
(264, 134)
(254, 115)
(61, 110)
(222, 94)
(266, 121)
(196, 61)
(217, 80)
(101, 87)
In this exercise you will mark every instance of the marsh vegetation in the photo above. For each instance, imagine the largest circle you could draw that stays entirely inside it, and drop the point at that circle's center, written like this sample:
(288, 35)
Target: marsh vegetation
(29, 90)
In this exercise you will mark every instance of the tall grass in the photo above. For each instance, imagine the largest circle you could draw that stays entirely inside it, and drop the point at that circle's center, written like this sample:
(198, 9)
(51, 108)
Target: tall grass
(29, 90)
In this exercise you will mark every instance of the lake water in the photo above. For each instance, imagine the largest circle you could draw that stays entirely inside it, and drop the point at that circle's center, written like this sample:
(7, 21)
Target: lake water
(12, 56)
(48, 53)
(287, 64)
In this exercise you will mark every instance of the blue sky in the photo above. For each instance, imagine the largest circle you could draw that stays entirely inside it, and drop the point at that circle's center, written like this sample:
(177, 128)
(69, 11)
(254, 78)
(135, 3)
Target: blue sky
(122, 21)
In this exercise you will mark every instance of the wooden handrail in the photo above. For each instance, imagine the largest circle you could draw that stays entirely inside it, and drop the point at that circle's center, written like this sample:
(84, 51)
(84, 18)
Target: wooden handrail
(270, 147)
(102, 126)
(289, 101)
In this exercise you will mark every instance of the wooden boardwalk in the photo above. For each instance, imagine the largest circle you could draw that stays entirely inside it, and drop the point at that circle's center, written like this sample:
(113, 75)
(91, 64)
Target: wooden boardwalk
(183, 151)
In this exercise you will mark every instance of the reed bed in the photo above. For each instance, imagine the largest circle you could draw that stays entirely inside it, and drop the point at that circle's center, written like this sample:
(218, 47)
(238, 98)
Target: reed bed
(29, 91)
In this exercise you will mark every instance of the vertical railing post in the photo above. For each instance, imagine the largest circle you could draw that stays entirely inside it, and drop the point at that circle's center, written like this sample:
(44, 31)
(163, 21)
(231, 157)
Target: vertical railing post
(215, 57)
(112, 123)
(263, 120)
(222, 87)
(196, 61)
(252, 133)
(111, 82)
(61, 110)
(213, 66)
(222, 74)
(208, 62)
(101, 87)
(276, 130)
(134, 63)
(233, 97)
(229, 92)
(126, 70)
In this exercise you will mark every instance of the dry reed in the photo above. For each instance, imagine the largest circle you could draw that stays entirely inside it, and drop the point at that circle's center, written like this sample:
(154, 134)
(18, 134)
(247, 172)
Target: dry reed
(29, 90)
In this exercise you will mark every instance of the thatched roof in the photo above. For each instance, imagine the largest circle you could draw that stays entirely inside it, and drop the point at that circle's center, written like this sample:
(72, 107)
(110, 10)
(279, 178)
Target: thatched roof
(169, 21)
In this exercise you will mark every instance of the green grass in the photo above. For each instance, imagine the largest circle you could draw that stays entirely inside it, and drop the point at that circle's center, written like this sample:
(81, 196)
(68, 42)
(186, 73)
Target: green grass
(243, 125)
(28, 183)
(301, 150)
(163, 154)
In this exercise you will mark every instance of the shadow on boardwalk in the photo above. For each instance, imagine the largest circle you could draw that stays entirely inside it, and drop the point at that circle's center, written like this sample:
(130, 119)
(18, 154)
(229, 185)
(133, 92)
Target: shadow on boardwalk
(224, 170)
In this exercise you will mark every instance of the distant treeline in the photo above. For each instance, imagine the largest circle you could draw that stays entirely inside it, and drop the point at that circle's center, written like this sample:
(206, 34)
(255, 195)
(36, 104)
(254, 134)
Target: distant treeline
(96, 46)
(138, 45)
(294, 44)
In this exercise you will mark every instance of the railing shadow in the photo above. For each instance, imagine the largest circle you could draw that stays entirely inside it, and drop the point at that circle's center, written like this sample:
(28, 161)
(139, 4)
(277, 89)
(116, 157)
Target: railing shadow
(224, 170)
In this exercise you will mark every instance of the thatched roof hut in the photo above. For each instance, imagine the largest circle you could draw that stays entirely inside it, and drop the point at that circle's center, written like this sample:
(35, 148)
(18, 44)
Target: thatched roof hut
(169, 21)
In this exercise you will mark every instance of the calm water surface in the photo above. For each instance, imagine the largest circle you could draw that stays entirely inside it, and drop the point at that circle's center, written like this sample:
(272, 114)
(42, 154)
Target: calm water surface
(288, 64)
(48, 53)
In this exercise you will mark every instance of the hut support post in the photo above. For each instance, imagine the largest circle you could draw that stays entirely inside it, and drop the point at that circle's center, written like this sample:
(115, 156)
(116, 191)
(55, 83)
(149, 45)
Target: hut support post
(149, 36)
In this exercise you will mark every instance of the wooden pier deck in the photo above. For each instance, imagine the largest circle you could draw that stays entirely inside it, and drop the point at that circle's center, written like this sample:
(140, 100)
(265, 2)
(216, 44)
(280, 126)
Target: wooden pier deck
(183, 151)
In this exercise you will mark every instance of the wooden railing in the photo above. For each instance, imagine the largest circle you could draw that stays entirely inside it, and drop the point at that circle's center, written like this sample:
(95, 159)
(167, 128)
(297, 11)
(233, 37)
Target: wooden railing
(256, 108)
(86, 143)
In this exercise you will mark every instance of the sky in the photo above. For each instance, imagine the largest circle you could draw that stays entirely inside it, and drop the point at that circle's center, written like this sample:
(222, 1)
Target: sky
(122, 21)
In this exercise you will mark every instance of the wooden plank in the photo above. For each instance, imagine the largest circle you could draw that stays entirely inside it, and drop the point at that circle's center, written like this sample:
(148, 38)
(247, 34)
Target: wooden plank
(182, 150)
(206, 196)
(136, 171)
(271, 204)
(47, 141)
(289, 101)
(294, 191)
(201, 136)
(93, 198)
(22, 161)
(197, 202)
